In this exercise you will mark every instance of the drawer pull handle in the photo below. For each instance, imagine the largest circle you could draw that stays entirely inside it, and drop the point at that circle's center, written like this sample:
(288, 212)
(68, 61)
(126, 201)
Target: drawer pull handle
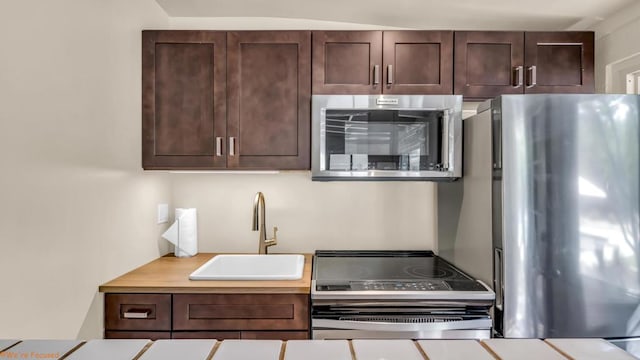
(137, 314)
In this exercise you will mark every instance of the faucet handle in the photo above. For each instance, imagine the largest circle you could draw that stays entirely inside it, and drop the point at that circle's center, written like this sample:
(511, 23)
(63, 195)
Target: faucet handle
(275, 237)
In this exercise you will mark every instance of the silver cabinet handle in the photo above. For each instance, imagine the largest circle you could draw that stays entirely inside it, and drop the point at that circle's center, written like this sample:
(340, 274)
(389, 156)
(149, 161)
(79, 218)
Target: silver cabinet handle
(519, 78)
(389, 74)
(533, 77)
(218, 146)
(137, 314)
(232, 146)
(376, 74)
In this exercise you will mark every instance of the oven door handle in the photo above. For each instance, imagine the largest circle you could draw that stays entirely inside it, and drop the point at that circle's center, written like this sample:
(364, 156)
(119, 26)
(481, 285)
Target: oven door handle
(382, 326)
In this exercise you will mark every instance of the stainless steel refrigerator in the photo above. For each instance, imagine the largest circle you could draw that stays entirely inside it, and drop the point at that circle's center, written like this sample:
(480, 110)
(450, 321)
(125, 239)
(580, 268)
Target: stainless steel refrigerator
(547, 211)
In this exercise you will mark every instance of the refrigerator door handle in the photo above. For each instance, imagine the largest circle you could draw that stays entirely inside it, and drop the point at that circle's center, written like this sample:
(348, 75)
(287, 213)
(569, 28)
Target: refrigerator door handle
(498, 278)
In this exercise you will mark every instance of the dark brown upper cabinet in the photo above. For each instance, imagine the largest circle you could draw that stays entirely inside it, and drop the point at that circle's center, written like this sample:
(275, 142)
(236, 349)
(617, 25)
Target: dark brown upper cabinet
(559, 62)
(269, 92)
(183, 99)
(346, 62)
(492, 63)
(382, 62)
(417, 62)
(218, 100)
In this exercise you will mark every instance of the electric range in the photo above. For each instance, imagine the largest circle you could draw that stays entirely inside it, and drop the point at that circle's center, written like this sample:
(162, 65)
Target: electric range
(396, 294)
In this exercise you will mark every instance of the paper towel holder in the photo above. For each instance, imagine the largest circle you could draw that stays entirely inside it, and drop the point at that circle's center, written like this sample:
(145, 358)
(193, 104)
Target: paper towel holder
(183, 233)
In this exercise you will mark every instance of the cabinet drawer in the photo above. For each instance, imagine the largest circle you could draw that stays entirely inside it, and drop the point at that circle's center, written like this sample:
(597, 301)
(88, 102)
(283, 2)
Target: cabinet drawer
(150, 312)
(218, 335)
(275, 335)
(151, 335)
(241, 312)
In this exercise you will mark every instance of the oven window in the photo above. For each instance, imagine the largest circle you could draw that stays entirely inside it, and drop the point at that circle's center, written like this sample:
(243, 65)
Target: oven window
(358, 140)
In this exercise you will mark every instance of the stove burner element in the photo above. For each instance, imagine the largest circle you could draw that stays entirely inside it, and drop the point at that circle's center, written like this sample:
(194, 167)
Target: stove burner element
(427, 272)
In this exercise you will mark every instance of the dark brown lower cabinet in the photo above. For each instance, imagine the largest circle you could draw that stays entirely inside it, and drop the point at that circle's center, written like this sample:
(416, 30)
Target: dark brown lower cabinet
(207, 316)
(218, 335)
(275, 335)
(151, 335)
(255, 335)
(240, 312)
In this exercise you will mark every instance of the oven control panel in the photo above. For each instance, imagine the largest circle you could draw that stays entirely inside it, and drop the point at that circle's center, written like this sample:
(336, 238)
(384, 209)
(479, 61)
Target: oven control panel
(430, 285)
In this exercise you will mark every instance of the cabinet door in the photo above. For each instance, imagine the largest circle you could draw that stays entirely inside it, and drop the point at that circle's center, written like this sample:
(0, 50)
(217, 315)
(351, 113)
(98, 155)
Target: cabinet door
(347, 62)
(559, 62)
(183, 99)
(488, 63)
(241, 312)
(417, 62)
(269, 89)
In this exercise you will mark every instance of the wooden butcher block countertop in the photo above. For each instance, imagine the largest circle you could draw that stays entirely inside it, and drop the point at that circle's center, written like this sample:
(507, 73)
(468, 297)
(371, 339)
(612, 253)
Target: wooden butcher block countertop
(170, 274)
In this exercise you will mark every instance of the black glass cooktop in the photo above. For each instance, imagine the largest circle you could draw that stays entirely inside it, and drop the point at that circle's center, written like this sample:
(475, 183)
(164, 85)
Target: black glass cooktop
(388, 271)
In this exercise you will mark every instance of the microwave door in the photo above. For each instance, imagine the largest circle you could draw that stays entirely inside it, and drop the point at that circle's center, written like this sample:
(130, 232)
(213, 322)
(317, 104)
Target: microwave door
(409, 139)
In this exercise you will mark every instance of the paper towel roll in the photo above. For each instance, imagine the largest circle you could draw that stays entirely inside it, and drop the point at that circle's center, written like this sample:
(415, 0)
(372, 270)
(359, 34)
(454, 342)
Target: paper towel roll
(183, 233)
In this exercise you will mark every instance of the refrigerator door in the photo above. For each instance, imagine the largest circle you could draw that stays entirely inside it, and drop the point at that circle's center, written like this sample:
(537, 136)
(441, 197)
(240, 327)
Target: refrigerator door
(569, 225)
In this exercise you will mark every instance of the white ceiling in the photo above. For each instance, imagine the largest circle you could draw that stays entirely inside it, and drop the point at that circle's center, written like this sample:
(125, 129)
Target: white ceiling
(418, 14)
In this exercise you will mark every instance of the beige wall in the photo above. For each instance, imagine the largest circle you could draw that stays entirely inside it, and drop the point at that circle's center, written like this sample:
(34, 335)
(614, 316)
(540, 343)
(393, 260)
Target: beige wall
(309, 215)
(75, 208)
(617, 41)
(266, 23)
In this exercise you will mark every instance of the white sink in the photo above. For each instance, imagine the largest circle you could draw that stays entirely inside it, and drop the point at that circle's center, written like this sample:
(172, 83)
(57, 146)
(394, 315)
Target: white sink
(251, 267)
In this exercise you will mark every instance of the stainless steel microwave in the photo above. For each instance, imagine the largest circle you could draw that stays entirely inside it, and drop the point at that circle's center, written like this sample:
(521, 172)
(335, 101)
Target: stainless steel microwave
(401, 137)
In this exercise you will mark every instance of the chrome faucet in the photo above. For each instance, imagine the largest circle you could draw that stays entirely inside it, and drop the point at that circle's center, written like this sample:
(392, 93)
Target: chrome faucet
(259, 225)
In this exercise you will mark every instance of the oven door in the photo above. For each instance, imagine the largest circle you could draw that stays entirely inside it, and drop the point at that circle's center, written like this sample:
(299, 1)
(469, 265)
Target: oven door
(399, 322)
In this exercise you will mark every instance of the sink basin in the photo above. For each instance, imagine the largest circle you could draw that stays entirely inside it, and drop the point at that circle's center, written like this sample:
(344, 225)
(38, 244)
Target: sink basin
(251, 267)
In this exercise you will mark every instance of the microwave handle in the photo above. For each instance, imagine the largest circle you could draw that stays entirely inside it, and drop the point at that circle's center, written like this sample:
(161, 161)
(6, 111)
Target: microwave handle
(393, 326)
(446, 127)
